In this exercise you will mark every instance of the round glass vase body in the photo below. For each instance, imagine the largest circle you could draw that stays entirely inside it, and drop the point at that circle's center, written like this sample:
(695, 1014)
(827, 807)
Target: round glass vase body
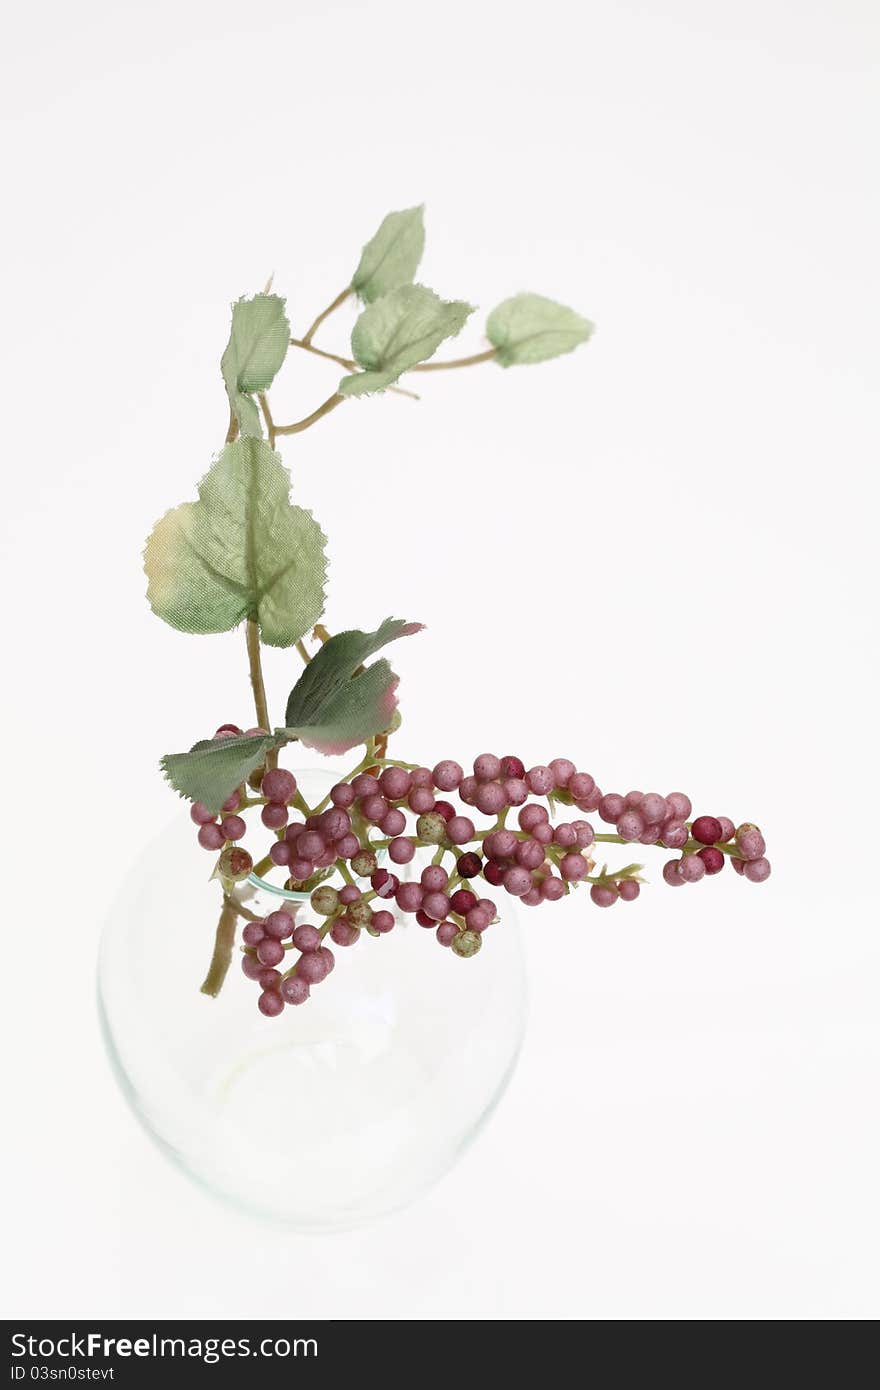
(338, 1110)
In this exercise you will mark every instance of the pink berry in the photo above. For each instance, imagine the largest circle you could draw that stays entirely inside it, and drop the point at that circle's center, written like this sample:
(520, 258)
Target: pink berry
(365, 784)
(501, 844)
(301, 869)
(200, 814)
(252, 967)
(581, 784)
(295, 990)
(713, 859)
(343, 933)
(628, 890)
(478, 919)
(468, 790)
(253, 933)
(401, 850)
(422, 777)
(233, 801)
(672, 873)
(447, 775)
(633, 799)
(654, 808)
(603, 894)
(278, 784)
(757, 870)
(311, 968)
(434, 878)
(611, 807)
(270, 951)
(436, 905)
(565, 836)
(342, 795)
(675, 836)
(394, 783)
(348, 846)
(563, 770)
(294, 831)
(707, 830)
(383, 921)
(631, 825)
(273, 815)
(307, 938)
(679, 805)
(487, 767)
(210, 836)
(552, 889)
(279, 924)
(446, 932)
(393, 823)
(269, 979)
(532, 898)
(532, 815)
(738, 865)
(375, 808)
(585, 833)
(310, 844)
(530, 854)
(691, 868)
(233, 828)
(334, 824)
(749, 842)
(727, 829)
(421, 800)
(409, 897)
(573, 867)
(540, 780)
(490, 798)
(350, 894)
(459, 830)
(516, 791)
(270, 1003)
(517, 881)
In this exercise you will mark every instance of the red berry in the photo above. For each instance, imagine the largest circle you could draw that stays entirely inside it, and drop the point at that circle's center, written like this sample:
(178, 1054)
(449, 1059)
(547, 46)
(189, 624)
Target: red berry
(707, 830)
(424, 920)
(462, 901)
(713, 859)
(469, 865)
(494, 872)
(444, 809)
(384, 883)
(512, 767)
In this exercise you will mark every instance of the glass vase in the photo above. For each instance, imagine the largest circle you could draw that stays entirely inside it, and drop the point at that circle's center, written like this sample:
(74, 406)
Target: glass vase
(337, 1111)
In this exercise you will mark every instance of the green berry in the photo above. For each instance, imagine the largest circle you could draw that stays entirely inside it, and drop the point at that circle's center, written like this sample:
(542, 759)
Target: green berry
(235, 863)
(359, 914)
(325, 901)
(364, 863)
(431, 827)
(467, 943)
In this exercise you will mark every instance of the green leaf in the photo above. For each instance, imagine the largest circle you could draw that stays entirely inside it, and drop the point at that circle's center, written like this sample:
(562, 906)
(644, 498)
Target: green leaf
(392, 256)
(335, 704)
(396, 332)
(242, 551)
(529, 328)
(213, 768)
(256, 349)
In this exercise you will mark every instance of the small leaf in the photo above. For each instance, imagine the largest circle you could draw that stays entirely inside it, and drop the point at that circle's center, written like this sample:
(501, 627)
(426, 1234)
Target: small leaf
(256, 349)
(396, 332)
(213, 768)
(529, 328)
(335, 705)
(392, 256)
(242, 551)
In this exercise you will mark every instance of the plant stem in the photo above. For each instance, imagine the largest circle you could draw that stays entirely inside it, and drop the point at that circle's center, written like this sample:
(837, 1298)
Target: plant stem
(267, 416)
(330, 404)
(259, 689)
(456, 362)
(346, 362)
(303, 651)
(232, 431)
(325, 313)
(223, 944)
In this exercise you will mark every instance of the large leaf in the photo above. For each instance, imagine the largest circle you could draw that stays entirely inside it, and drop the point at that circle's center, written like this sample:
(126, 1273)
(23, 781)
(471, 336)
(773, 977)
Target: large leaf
(256, 349)
(529, 328)
(335, 704)
(242, 551)
(213, 768)
(396, 332)
(392, 256)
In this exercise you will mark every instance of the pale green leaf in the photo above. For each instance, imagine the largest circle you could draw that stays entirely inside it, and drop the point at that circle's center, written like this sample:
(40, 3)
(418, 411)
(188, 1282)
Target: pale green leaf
(530, 328)
(242, 551)
(213, 768)
(256, 349)
(393, 334)
(332, 707)
(392, 256)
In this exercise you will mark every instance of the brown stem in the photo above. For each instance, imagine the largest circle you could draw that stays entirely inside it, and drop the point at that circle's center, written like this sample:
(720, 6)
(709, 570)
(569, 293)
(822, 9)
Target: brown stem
(330, 404)
(325, 313)
(303, 651)
(224, 941)
(240, 909)
(456, 362)
(232, 431)
(347, 362)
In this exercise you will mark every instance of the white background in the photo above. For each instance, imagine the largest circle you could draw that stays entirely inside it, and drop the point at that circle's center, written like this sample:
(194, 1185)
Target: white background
(656, 556)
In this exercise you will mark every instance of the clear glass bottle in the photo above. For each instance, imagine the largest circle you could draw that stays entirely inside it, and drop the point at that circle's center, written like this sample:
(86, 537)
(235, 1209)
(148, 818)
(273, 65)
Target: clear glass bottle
(341, 1109)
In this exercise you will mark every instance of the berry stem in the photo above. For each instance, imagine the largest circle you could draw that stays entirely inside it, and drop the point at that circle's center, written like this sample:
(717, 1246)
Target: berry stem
(325, 314)
(267, 416)
(224, 942)
(252, 637)
(299, 425)
(347, 362)
(456, 362)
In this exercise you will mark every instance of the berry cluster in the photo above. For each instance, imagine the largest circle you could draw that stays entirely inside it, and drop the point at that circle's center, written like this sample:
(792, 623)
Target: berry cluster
(394, 812)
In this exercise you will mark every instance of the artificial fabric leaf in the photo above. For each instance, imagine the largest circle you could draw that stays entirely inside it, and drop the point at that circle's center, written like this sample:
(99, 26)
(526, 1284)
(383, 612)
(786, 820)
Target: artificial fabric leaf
(392, 256)
(397, 331)
(213, 768)
(242, 551)
(530, 328)
(336, 704)
(256, 349)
